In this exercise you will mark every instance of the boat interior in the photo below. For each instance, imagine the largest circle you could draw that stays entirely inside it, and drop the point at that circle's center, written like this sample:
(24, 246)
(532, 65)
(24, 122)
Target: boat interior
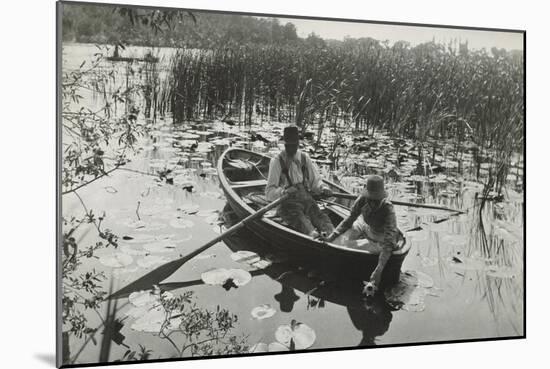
(247, 172)
(247, 176)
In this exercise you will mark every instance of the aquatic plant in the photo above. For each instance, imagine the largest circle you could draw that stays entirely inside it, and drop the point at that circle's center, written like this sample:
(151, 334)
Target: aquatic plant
(429, 92)
(201, 332)
(96, 143)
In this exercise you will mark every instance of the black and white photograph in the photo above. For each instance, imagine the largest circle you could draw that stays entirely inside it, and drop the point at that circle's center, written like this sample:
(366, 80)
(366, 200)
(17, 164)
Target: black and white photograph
(241, 184)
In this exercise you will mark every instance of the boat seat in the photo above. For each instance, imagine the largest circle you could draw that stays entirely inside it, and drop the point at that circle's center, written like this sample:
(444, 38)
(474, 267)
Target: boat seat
(246, 184)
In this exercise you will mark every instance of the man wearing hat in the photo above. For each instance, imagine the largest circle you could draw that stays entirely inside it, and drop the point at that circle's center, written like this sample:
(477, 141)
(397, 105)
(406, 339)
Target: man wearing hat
(373, 225)
(292, 172)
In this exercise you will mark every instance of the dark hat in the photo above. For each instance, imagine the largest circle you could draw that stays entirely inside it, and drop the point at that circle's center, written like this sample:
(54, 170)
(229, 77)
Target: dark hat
(291, 135)
(374, 189)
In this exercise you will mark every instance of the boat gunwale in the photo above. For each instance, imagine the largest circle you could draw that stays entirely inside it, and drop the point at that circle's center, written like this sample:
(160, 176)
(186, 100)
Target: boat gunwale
(225, 183)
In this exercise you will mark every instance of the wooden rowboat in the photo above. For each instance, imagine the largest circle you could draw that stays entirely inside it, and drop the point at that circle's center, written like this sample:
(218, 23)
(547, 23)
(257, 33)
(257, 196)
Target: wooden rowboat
(243, 176)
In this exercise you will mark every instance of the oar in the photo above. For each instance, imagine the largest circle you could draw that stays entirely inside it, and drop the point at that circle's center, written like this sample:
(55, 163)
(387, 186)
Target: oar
(164, 271)
(401, 203)
(344, 215)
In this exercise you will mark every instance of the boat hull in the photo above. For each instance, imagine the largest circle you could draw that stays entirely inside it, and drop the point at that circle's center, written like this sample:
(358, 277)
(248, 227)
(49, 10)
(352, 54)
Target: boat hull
(323, 257)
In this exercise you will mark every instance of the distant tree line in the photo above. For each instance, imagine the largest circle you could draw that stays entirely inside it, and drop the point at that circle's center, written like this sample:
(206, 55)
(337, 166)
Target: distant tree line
(172, 28)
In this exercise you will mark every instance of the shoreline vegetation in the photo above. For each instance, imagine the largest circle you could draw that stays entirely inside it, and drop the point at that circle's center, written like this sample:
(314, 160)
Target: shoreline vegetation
(238, 68)
(444, 119)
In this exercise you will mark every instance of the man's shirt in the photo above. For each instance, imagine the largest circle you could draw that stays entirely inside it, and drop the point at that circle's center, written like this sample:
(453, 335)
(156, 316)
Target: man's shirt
(276, 179)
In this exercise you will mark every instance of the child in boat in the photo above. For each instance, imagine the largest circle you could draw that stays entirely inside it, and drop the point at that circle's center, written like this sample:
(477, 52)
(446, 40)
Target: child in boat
(371, 226)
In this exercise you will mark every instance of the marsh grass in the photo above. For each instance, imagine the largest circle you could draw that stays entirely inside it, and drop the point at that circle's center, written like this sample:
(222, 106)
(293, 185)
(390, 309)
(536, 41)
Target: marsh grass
(429, 93)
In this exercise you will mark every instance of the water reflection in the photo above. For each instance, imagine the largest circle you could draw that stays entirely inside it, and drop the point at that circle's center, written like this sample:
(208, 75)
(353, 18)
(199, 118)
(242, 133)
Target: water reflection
(373, 319)
(286, 298)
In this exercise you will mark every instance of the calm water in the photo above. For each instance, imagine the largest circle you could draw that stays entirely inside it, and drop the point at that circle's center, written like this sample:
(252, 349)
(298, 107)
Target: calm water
(466, 295)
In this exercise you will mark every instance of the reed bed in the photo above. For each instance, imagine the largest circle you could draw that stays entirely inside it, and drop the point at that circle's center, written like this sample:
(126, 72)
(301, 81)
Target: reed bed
(428, 92)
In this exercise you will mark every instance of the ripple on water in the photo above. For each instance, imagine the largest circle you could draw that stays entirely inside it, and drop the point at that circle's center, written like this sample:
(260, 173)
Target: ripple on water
(116, 260)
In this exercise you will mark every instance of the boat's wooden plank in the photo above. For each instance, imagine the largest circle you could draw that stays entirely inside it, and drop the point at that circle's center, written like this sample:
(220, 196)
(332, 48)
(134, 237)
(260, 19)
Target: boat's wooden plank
(246, 184)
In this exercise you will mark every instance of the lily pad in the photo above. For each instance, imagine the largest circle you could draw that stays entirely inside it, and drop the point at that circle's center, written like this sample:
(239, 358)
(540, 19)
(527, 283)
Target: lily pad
(144, 302)
(132, 223)
(160, 246)
(210, 171)
(212, 219)
(169, 215)
(123, 271)
(142, 298)
(207, 212)
(189, 136)
(263, 312)
(418, 236)
(215, 276)
(183, 238)
(157, 163)
(152, 321)
(153, 226)
(128, 249)
(258, 347)
(220, 277)
(455, 239)
(240, 277)
(211, 194)
(276, 347)
(154, 209)
(181, 223)
(189, 209)
(501, 272)
(184, 180)
(505, 235)
(116, 260)
(152, 260)
(428, 261)
(297, 336)
(262, 264)
(467, 263)
(138, 311)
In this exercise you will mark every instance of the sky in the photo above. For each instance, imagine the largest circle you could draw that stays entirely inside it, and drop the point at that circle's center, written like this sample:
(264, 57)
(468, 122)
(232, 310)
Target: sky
(413, 34)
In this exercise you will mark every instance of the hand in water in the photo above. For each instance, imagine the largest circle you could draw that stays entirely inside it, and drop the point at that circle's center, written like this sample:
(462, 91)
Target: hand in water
(369, 289)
